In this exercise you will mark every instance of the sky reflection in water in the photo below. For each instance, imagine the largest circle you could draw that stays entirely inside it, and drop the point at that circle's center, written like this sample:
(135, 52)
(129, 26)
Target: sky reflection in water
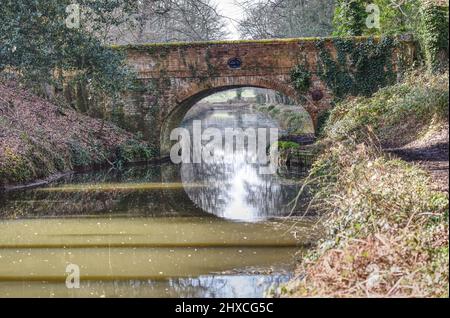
(234, 188)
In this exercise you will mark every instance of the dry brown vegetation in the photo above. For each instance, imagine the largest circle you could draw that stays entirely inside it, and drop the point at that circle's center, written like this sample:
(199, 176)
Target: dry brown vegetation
(386, 228)
(38, 138)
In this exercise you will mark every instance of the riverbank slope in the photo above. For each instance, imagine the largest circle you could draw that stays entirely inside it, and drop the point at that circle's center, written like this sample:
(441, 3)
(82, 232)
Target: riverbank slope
(385, 220)
(40, 140)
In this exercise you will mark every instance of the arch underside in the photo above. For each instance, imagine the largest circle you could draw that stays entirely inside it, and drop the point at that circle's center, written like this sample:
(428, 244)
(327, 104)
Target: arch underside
(187, 98)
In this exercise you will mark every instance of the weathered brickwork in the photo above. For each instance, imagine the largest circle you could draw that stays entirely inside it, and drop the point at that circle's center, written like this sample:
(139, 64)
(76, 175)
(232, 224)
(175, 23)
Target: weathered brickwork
(182, 74)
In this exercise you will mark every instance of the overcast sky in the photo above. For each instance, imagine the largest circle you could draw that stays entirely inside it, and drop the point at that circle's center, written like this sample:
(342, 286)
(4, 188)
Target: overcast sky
(229, 9)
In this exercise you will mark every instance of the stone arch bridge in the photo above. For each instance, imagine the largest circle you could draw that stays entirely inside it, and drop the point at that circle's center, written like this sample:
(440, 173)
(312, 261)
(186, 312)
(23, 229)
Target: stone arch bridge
(178, 75)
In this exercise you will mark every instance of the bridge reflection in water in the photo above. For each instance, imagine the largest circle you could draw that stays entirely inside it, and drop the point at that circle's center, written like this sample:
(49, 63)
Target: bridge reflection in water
(234, 187)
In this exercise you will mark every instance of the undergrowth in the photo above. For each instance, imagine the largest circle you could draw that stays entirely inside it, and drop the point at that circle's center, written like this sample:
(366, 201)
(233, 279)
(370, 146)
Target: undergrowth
(396, 113)
(39, 139)
(385, 231)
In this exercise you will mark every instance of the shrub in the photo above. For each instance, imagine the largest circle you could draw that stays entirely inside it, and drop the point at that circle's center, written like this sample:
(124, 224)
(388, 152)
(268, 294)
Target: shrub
(284, 145)
(132, 151)
(13, 167)
(80, 157)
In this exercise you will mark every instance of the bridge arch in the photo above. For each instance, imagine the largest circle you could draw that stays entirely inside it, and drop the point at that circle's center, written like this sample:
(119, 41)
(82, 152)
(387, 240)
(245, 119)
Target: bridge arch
(190, 96)
(184, 73)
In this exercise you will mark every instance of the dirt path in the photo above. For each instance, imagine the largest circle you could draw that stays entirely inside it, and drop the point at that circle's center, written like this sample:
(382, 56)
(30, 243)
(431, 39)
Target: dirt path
(432, 155)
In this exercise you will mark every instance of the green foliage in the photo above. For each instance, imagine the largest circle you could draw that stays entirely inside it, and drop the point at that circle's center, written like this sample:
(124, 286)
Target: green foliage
(394, 17)
(274, 112)
(398, 18)
(322, 121)
(13, 167)
(301, 79)
(132, 151)
(361, 68)
(80, 156)
(349, 17)
(426, 20)
(285, 145)
(434, 36)
(35, 41)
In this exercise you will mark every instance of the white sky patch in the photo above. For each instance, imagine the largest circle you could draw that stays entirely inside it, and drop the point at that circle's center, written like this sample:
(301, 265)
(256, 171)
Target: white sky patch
(230, 9)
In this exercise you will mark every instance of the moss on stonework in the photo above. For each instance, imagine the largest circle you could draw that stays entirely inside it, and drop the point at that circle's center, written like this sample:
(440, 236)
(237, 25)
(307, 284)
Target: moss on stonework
(156, 47)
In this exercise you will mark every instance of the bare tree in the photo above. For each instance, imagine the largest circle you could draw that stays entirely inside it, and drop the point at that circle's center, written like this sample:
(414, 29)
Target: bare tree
(172, 20)
(286, 18)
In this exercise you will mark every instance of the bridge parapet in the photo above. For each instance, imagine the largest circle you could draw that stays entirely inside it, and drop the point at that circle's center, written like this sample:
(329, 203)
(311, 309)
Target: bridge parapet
(256, 57)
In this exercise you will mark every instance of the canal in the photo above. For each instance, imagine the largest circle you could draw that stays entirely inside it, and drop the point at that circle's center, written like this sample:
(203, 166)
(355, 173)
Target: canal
(216, 229)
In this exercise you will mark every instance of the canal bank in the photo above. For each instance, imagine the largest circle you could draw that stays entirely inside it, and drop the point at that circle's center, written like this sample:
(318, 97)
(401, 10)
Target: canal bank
(41, 141)
(385, 219)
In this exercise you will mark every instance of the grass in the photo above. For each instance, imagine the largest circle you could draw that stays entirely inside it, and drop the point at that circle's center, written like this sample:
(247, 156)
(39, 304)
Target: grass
(285, 145)
(385, 230)
(401, 111)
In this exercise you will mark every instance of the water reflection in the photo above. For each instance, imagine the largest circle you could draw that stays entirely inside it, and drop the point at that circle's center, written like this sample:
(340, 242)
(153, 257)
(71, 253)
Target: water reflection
(138, 191)
(146, 257)
(210, 286)
(234, 188)
(155, 231)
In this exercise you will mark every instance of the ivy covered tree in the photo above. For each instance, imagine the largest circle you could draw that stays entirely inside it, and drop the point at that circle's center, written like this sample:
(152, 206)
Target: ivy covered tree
(40, 41)
(398, 16)
(433, 34)
(427, 20)
(286, 18)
